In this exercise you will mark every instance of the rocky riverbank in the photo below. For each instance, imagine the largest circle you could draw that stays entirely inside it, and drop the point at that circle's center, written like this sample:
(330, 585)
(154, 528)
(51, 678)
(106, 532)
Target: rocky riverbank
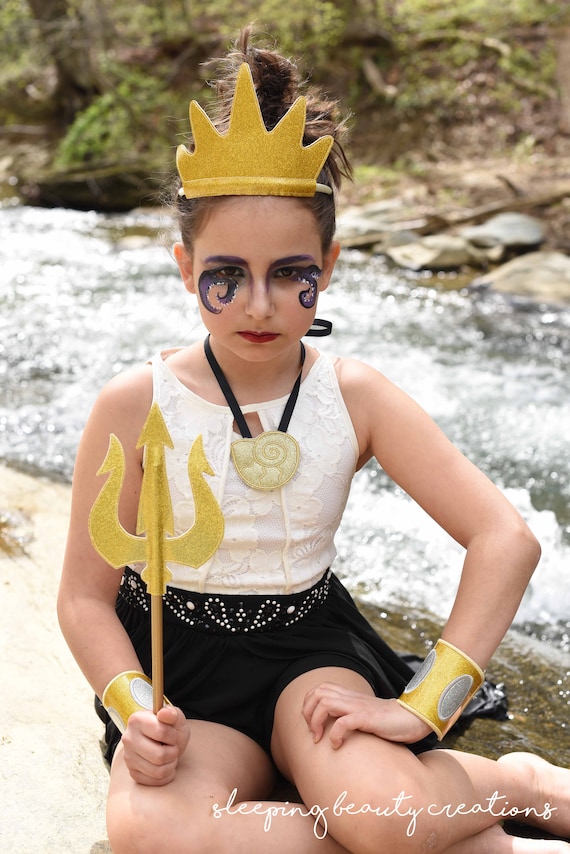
(500, 226)
(53, 780)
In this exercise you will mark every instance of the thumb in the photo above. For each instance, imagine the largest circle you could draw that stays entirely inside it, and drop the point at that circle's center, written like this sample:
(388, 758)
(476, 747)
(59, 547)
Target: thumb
(171, 715)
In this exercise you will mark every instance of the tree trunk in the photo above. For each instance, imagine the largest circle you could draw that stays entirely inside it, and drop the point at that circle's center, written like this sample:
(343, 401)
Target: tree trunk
(563, 79)
(67, 40)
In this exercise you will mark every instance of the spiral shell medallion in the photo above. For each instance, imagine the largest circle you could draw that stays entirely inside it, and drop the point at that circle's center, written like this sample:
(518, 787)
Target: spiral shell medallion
(268, 461)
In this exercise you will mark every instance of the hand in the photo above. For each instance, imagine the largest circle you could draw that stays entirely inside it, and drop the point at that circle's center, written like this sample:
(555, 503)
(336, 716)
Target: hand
(352, 711)
(153, 745)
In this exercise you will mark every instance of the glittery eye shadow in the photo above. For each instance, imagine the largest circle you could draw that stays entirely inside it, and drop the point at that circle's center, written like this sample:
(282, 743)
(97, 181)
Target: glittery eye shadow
(213, 279)
(309, 276)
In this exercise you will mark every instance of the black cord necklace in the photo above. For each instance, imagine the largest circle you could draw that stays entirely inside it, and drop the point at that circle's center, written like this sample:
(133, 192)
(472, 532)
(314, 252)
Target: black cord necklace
(272, 458)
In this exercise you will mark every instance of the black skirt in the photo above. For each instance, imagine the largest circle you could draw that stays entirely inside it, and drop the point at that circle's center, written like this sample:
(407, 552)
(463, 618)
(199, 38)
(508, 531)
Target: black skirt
(235, 677)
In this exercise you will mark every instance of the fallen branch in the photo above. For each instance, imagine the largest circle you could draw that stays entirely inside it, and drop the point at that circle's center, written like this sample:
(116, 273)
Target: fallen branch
(437, 222)
(543, 200)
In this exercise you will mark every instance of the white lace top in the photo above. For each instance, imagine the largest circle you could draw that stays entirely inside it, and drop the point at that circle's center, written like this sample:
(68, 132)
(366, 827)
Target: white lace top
(275, 541)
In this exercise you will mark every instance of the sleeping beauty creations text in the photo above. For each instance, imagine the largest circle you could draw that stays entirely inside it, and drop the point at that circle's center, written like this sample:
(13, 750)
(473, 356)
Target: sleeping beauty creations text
(496, 805)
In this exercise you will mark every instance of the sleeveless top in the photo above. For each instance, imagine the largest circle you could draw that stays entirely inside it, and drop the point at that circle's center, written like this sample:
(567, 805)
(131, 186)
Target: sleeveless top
(276, 541)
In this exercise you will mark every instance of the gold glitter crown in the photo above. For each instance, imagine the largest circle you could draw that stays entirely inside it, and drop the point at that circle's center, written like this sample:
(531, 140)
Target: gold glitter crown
(249, 160)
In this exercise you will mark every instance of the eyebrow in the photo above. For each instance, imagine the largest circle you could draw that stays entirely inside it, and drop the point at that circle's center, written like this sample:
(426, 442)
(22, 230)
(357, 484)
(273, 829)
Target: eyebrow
(293, 259)
(225, 259)
(234, 259)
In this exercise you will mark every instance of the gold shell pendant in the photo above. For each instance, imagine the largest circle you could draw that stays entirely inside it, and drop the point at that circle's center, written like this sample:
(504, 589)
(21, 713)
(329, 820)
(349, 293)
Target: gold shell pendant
(268, 461)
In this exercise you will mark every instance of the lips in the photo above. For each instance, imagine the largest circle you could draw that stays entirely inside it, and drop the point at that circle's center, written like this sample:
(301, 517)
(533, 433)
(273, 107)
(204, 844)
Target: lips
(258, 337)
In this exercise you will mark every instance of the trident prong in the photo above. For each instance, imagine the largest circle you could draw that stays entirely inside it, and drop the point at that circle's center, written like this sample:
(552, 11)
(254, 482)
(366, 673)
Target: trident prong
(152, 545)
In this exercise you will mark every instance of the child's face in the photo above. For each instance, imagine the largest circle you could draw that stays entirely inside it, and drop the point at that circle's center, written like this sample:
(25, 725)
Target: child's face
(257, 269)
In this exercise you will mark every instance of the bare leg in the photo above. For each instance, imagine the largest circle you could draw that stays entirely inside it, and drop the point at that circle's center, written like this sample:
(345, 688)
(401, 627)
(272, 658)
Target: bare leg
(380, 797)
(212, 805)
(493, 840)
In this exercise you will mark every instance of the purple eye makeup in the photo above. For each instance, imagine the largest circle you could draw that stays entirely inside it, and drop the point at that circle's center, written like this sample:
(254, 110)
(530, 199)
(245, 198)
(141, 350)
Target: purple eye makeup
(219, 285)
(309, 276)
(217, 289)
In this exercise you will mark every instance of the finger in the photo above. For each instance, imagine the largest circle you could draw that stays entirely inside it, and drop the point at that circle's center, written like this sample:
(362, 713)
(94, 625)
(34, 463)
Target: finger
(316, 695)
(160, 727)
(171, 715)
(177, 729)
(330, 688)
(147, 751)
(155, 777)
(328, 707)
(316, 713)
(346, 724)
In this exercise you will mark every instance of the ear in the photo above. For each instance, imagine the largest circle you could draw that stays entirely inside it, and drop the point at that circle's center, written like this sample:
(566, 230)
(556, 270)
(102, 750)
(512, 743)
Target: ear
(184, 261)
(329, 262)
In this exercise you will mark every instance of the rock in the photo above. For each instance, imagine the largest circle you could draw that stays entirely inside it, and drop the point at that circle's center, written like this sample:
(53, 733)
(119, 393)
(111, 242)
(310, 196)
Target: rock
(53, 781)
(394, 238)
(512, 230)
(436, 252)
(114, 188)
(539, 276)
(367, 225)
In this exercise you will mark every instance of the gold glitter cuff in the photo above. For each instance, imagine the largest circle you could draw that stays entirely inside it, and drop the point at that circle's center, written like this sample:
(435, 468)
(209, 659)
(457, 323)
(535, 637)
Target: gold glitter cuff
(442, 687)
(127, 693)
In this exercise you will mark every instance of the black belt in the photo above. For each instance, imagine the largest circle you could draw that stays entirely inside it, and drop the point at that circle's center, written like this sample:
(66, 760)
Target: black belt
(227, 613)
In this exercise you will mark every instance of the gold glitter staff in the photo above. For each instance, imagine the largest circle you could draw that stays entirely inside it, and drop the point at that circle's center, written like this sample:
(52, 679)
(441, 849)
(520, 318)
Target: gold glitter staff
(154, 545)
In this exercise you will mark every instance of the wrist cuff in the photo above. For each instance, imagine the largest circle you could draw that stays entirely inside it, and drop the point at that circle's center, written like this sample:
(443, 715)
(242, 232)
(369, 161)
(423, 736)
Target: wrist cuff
(442, 687)
(128, 692)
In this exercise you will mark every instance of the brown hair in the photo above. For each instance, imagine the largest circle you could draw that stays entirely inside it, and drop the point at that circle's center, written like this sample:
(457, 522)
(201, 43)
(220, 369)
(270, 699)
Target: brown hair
(278, 85)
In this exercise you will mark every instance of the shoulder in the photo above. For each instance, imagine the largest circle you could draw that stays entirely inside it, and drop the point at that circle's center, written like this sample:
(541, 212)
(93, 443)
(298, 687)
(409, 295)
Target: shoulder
(121, 409)
(128, 395)
(362, 385)
(384, 416)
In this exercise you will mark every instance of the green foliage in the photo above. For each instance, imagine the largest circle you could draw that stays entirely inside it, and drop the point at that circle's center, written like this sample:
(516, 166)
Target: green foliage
(98, 133)
(18, 37)
(493, 18)
(120, 124)
(440, 43)
(448, 59)
(130, 116)
(303, 29)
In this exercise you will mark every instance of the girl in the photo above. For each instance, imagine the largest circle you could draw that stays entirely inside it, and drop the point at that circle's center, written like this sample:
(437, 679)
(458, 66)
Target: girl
(268, 664)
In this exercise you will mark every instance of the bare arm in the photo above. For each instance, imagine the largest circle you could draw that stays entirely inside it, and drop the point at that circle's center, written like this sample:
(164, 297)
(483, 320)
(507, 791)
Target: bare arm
(88, 589)
(501, 553)
(153, 744)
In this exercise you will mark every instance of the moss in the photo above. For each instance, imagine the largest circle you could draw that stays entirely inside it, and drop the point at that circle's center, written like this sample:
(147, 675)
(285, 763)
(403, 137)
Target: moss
(11, 542)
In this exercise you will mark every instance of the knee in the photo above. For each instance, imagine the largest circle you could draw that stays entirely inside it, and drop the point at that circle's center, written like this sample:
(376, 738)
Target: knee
(390, 839)
(135, 834)
(154, 830)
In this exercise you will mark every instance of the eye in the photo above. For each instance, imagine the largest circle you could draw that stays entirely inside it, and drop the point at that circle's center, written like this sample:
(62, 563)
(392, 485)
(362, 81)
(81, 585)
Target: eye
(293, 273)
(224, 273)
(305, 275)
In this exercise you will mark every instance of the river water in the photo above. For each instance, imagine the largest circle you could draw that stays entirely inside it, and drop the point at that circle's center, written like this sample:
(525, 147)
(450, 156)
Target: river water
(83, 296)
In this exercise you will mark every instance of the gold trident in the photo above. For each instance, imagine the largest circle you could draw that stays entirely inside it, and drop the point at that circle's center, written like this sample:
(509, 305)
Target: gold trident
(155, 522)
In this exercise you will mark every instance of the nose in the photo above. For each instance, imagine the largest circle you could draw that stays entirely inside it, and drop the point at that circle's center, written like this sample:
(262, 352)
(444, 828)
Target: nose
(260, 301)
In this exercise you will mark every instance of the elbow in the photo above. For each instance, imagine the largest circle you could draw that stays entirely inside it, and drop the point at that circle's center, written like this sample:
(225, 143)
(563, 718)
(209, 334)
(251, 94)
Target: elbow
(67, 611)
(62, 612)
(525, 546)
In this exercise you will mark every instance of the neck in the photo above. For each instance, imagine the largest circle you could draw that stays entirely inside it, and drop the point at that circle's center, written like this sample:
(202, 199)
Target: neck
(253, 381)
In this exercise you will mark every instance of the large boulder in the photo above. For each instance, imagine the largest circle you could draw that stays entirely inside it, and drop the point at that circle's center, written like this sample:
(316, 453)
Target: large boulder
(509, 229)
(539, 276)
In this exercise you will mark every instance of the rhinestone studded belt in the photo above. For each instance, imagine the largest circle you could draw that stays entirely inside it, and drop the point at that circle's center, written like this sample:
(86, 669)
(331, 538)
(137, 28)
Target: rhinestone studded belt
(231, 613)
